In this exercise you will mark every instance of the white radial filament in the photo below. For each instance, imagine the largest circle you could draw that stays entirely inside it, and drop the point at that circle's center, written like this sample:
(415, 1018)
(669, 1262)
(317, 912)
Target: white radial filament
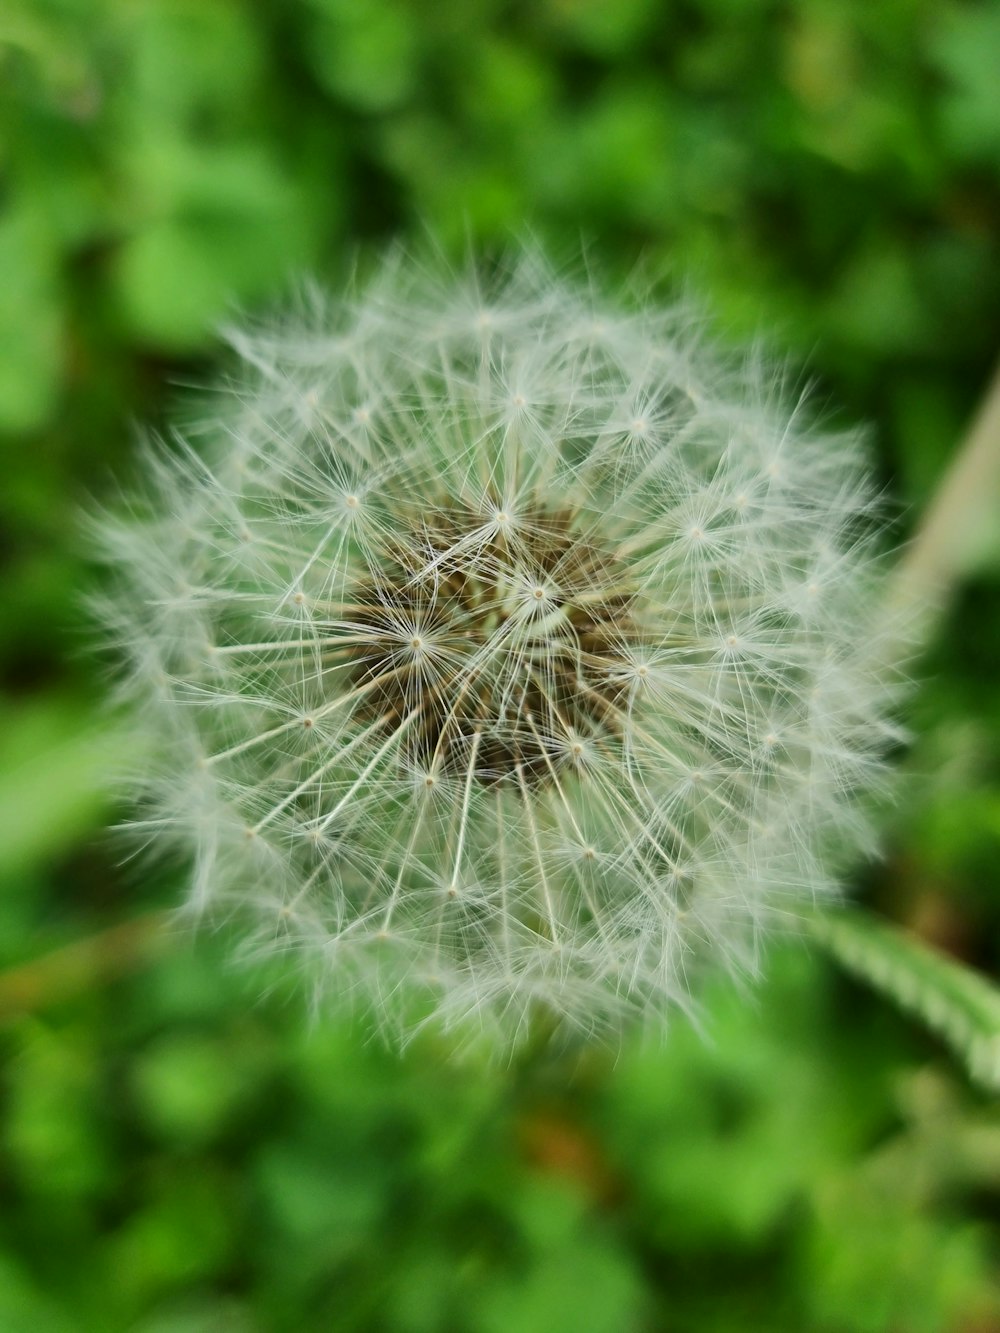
(503, 651)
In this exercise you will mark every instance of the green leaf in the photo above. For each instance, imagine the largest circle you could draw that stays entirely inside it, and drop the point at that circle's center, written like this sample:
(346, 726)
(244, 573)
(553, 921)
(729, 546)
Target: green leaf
(30, 322)
(368, 55)
(56, 770)
(960, 1005)
(188, 1089)
(965, 49)
(23, 1305)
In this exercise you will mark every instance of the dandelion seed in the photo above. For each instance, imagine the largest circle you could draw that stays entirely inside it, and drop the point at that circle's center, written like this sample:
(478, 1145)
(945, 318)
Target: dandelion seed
(505, 709)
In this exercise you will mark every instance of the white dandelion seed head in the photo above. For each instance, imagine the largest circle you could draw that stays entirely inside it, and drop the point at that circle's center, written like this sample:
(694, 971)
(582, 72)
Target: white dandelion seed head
(504, 650)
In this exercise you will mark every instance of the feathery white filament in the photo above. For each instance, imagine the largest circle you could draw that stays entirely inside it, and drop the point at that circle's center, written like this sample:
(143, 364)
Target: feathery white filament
(504, 648)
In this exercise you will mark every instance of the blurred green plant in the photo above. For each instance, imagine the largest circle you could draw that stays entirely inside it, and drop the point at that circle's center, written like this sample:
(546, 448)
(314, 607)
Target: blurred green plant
(954, 1001)
(176, 1157)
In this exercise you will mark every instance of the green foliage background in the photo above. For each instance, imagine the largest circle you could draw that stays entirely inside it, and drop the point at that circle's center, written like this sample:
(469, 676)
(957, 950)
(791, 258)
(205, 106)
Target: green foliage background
(178, 1155)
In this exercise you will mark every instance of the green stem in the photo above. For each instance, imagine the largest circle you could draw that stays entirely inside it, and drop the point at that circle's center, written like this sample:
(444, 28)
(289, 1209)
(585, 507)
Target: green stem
(74, 968)
(960, 521)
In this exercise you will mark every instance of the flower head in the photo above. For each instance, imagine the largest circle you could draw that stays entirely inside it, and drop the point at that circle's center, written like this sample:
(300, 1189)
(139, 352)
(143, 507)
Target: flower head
(503, 648)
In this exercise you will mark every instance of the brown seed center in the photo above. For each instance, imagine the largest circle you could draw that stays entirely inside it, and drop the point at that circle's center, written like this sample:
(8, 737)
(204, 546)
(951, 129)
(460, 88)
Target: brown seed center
(505, 647)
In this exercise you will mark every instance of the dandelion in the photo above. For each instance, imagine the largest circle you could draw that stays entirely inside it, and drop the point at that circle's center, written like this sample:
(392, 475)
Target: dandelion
(503, 650)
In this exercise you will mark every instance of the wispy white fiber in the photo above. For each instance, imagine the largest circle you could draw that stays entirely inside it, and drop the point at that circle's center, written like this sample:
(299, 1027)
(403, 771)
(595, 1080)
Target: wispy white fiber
(503, 649)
